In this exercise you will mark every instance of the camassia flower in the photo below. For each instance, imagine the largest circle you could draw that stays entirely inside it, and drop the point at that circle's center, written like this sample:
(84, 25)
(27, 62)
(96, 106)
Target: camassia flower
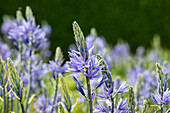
(4, 50)
(53, 67)
(100, 108)
(121, 107)
(44, 104)
(26, 31)
(77, 62)
(77, 82)
(89, 67)
(80, 89)
(57, 67)
(109, 93)
(163, 96)
(7, 24)
(165, 100)
(122, 88)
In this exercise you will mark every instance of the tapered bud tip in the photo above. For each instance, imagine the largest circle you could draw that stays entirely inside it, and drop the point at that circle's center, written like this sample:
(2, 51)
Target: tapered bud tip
(28, 12)
(145, 102)
(158, 67)
(157, 64)
(93, 32)
(58, 55)
(19, 16)
(75, 23)
(10, 62)
(28, 9)
(76, 27)
(58, 50)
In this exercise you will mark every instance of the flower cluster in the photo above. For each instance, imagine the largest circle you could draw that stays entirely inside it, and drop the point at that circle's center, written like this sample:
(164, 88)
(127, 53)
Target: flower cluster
(26, 32)
(163, 95)
(108, 79)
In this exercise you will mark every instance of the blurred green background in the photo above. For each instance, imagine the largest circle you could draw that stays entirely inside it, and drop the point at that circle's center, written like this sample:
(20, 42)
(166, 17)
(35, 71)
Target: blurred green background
(135, 21)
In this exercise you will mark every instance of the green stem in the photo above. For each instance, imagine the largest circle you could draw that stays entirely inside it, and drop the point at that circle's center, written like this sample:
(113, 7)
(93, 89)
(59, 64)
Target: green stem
(28, 93)
(7, 100)
(12, 104)
(89, 94)
(17, 106)
(29, 85)
(55, 95)
(4, 99)
(161, 108)
(162, 99)
(19, 70)
(7, 104)
(22, 107)
(87, 107)
(112, 98)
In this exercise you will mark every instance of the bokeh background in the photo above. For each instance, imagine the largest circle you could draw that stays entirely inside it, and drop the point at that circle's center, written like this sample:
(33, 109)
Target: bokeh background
(135, 21)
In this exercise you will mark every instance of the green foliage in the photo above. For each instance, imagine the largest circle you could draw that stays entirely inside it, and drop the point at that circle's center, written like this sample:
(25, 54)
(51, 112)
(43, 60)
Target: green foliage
(161, 78)
(15, 79)
(60, 108)
(3, 73)
(66, 94)
(131, 100)
(145, 106)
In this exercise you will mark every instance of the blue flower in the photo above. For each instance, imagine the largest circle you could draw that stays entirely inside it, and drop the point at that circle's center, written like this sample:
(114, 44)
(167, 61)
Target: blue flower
(56, 68)
(107, 94)
(164, 101)
(104, 79)
(121, 52)
(89, 67)
(100, 108)
(122, 105)
(7, 25)
(28, 33)
(100, 47)
(44, 103)
(122, 88)
(47, 29)
(93, 69)
(4, 50)
(166, 97)
(79, 88)
(77, 82)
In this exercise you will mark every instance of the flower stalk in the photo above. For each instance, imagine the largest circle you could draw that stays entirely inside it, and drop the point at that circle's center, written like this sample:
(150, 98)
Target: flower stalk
(160, 82)
(56, 68)
(3, 81)
(16, 83)
(112, 98)
(12, 104)
(145, 107)
(55, 94)
(84, 54)
(4, 100)
(89, 94)
(131, 100)
(29, 84)
(7, 103)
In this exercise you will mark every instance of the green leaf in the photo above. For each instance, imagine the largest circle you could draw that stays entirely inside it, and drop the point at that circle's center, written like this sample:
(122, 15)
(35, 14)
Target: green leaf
(65, 93)
(60, 108)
